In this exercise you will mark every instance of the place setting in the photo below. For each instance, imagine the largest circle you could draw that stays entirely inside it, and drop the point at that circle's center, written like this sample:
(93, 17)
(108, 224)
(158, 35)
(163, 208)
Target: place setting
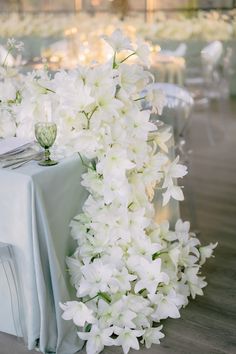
(16, 152)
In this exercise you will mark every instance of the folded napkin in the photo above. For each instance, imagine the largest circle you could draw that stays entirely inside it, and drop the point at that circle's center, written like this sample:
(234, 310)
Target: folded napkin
(13, 145)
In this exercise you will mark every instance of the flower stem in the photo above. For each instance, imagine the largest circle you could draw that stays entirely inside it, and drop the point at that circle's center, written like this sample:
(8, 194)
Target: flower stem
(114, 61)
(140, 98)
(83, 163)
(4, 62)
(105, 297)
(92, 298)
(122, 61)
(157, 254)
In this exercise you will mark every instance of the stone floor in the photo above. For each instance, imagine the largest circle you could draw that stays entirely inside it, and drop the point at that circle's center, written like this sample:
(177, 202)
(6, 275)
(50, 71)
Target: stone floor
(208, 324)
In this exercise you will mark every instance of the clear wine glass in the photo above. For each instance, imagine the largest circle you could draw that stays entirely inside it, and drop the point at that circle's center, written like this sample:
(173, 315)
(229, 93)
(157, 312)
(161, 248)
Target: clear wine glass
(46, 133)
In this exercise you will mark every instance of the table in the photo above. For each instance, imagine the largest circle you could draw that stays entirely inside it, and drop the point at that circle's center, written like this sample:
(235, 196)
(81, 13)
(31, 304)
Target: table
(36, 206)
(168, 68)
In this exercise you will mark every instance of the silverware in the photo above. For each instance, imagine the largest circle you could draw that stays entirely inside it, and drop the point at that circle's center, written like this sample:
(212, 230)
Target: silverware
(18, 162)
(16, 151)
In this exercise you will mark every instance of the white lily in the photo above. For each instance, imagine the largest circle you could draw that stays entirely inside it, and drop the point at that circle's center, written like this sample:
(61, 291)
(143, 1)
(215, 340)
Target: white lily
(78, 312)
(150, 276)
(207, 251)
(174, 192)
(152, 336)
(127, 338)
(118, 41)
(97, 338)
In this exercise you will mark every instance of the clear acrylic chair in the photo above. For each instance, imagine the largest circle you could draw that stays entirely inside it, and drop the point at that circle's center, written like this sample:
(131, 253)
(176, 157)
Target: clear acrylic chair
(203, 79)
(177, 113)
(10, 290)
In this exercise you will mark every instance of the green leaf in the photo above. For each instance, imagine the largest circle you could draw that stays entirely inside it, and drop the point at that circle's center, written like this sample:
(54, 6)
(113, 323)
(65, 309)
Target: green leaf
(105, 297)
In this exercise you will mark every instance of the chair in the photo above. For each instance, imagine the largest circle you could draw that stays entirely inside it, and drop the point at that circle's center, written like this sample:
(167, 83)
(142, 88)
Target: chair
(180, 51)
(204, 81)
(9, 290)
(177, 112)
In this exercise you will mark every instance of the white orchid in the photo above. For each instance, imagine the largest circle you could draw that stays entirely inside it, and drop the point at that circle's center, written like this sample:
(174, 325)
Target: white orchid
(166, 306)
(174, 192)
(78, 312)
(195, 282)
(97, 338)
(150, 275)
(172, 171)
(95, 278)
(182, 230)
(156, 98)
(115, 163)
(152, 336)
(118, 41)
(206, 252)
(143, 53)
(161, 139)
(127, 338)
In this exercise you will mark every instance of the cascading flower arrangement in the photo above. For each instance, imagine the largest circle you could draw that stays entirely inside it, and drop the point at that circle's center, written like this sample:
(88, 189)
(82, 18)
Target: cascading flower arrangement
(129, 272)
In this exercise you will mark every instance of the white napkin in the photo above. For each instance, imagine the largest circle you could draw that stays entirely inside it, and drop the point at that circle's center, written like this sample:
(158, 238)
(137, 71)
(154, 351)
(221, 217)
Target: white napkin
(13, 145)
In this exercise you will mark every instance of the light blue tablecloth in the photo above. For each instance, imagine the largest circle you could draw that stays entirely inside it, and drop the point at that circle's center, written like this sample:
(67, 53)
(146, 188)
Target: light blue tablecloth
(36, 206)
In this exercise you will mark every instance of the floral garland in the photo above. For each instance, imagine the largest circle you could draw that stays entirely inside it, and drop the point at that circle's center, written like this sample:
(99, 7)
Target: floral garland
(129, 272)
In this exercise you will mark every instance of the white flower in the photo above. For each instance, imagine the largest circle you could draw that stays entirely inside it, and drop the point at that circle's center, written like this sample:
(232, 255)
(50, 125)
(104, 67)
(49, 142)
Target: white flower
(206, 252)
(173, 170)
(115, 163)
(150, 275)
(121, 281)
(7, 124)
(12, 43)
(172, 192)
(127, 338)
(85, 142)
(143, 53)
(166, 306)
(157, 99)
(7, 91)
(161, 138)
(95, 278)
(97, 338)
(75, 270)
(152, 336)
(118, 41)
(195, 282)
(182, 230)
(78, 312)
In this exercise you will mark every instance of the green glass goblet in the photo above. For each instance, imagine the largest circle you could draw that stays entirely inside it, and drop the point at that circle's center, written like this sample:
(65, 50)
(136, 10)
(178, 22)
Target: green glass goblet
(45, 134)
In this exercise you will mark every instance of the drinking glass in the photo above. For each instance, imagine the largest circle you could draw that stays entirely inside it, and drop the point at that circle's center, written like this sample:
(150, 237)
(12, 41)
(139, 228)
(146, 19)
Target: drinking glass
(45, 133)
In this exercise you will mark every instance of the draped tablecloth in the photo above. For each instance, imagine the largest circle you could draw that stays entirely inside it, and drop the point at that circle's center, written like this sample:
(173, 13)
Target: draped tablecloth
(36, 206)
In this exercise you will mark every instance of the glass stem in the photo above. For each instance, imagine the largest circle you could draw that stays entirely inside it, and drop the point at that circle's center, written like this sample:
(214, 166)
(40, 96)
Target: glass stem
(47, 155)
